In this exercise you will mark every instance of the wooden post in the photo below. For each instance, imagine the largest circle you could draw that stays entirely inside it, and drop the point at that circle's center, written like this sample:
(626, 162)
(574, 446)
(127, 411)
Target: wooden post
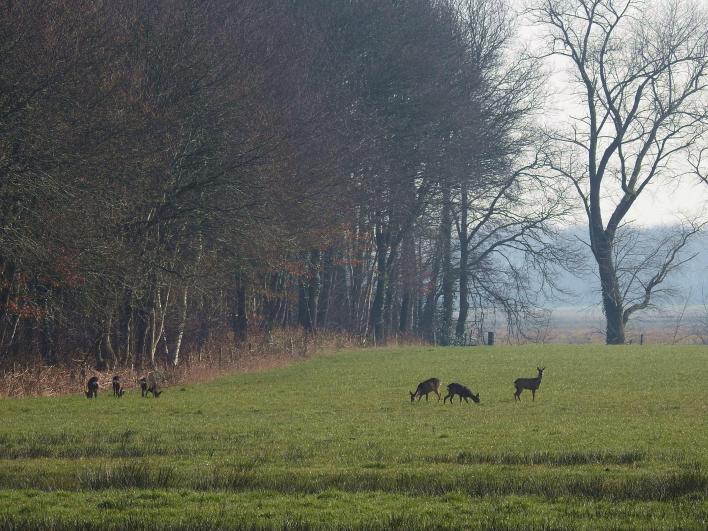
(641, 339)
(490, 338)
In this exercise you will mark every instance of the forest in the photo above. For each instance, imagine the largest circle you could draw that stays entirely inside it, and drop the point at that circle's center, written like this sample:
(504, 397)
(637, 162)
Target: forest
(175, 175)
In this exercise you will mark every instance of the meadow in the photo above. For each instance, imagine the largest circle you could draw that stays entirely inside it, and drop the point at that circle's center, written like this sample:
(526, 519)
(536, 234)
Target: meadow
(617, 438)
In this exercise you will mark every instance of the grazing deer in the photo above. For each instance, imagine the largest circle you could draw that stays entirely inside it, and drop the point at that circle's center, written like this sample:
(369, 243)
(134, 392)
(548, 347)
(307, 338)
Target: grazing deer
(92, 387)
(461, 391)
(428, 386)
(528, 383)
(149, 385)
(118, 390)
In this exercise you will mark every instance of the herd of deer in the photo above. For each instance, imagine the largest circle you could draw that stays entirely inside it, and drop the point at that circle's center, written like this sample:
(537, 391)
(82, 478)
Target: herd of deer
(433, 386)
(148, 384)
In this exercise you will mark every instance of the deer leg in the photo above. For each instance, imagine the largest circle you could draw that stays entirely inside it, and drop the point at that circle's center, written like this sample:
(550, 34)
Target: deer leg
(533, 395)
(426, 397)
(437, 393)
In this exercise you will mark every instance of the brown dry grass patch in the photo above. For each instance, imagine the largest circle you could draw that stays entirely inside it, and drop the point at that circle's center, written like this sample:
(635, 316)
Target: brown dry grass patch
(220, 357)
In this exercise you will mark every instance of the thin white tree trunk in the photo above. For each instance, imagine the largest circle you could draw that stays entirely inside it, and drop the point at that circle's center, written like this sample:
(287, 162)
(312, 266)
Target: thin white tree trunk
(181, 326)
(158, 314)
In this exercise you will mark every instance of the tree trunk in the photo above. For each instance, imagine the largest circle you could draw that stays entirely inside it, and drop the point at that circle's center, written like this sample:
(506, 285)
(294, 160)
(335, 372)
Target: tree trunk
(448, 280)
(409, 276)
(241, 319)
(303, 307)
(612, 305)
(107, 331)
(309, 293)
(7, 279)
(142, 326)
(328, 275)
(124, 335)
(404, 319)
(611, 297)
(376, 318)
(48, 349)
(427, 321)
(181, 326)
(464, 258)
(391, 294)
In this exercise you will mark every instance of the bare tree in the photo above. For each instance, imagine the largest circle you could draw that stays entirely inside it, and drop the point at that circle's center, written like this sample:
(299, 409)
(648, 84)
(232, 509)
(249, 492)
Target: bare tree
(505, 207)
(641, 70)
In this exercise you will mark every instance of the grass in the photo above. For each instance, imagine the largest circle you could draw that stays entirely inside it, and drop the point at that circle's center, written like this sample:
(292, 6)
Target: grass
(615, 439)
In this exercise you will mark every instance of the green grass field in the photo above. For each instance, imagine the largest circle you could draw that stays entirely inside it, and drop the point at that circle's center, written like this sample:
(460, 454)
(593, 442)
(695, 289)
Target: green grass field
(616, 439)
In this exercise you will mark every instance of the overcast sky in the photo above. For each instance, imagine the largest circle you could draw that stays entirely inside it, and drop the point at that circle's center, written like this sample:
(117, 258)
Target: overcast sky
(663, 202)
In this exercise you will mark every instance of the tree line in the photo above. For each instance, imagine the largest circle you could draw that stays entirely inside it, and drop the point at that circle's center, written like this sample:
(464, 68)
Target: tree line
(174, 173)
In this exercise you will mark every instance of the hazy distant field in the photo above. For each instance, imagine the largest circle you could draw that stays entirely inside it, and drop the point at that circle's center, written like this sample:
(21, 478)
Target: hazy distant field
(617, 438)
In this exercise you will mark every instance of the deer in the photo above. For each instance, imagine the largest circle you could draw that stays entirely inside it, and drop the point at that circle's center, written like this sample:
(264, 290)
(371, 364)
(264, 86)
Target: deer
(431, 385)
(118, 390)
(148, 384)
(92, 387)
(528, 383)
(461, 391)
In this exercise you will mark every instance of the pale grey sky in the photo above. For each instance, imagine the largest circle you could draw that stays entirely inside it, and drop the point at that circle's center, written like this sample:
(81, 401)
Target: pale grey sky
(663, 202)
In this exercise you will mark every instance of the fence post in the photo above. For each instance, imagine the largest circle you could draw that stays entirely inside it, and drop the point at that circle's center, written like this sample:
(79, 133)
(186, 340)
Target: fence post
(490, 338)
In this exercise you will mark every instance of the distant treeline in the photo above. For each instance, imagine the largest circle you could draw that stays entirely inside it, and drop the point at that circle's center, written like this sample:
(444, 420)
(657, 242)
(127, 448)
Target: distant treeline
(172, 172)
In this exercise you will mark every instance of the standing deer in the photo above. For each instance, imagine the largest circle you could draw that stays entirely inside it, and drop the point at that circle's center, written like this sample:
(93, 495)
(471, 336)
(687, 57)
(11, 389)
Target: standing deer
(461, 391)
(148, 384)
(92, 387)
(428, 386)
(528, 383)
(118, 390)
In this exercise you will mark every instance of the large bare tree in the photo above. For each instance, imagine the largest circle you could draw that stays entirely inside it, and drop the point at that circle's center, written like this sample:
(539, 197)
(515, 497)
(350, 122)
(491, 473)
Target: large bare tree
(640, 69)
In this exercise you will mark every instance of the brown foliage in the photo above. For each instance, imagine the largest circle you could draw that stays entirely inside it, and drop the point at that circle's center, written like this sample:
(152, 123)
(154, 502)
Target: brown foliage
(218, 358)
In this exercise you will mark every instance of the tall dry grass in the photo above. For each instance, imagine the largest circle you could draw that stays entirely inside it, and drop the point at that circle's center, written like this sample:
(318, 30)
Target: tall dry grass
(219, 356)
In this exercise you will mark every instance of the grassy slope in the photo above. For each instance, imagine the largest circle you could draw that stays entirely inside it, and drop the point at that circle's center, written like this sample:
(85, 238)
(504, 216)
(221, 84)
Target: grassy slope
(617, 437)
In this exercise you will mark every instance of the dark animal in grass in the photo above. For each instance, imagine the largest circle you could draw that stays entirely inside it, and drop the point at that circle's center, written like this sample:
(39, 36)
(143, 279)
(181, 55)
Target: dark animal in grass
(118, 390)
(148, 384)
(92, 387)
(528, 383)
(424, 388)
(461, 391)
